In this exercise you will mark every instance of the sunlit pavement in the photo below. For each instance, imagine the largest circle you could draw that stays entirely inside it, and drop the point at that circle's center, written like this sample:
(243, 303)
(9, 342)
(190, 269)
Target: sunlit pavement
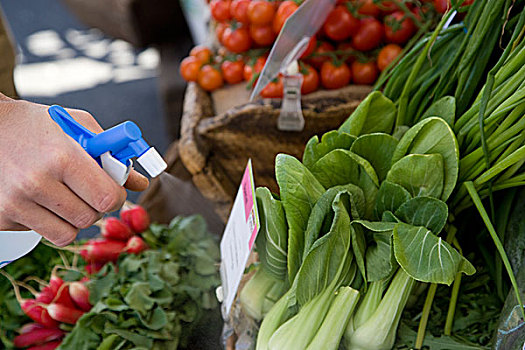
(60, 61)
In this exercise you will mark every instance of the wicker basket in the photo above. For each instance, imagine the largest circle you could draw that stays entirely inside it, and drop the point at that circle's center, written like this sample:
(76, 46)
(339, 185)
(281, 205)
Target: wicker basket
(215, 148)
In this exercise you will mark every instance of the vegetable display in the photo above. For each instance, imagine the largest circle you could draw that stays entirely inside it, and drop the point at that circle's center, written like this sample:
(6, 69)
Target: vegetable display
(145, 285)
(357, 41)
(371, 219)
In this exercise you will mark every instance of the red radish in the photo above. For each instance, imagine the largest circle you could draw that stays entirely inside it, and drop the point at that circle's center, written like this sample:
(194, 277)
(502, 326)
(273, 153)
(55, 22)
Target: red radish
(80, 295)
(94, 267)
(33, 309)
(136, 218)
(46, 295)
(102, 250)
(136, 245)
(38, 336)
(63, 313)
(37, 313)
(29, 327)
(55, 283)
(59, 290)
(113, 228)
(63, 297)
(52, 345)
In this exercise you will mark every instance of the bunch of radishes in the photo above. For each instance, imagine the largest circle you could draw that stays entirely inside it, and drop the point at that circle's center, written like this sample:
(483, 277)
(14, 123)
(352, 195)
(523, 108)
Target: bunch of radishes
(118, 236)
(57, 303)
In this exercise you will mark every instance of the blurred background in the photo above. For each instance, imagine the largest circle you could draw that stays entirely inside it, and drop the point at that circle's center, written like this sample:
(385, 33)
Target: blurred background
(117, 59)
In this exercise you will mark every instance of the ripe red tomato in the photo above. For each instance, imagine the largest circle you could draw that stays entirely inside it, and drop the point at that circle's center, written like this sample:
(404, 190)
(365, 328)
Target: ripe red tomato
(202, 53)
(239, 10)
(369, 35)
(335, 77)
(387, 55)
(285, 10)
(317, 61)
(310, 80)
(419, 12)
(387, 7)
(261, 12)
(237, 40)
(364, 73)
(257, 67)
(346, 46)
(262, 35)
(443, 5)
(273, 90)
(405, 28)
(340, 24)
(310, 48)
(219, 30)
(210, 78)
(220, 10)
(232, 71)
(367, 8)
(189, 68)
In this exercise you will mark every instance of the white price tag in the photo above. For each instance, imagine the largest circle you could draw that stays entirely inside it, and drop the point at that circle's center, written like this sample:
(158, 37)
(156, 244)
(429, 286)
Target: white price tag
(237, 241)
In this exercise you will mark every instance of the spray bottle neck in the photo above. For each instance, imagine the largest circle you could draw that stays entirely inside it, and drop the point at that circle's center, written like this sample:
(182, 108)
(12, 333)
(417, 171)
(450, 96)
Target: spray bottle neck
(123, 142)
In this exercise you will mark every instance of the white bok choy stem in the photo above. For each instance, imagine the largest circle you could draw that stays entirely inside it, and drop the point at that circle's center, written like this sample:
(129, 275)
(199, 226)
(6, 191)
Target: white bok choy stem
(329, 335)
(273, 295)
(379, 331)
(271, 322)
(253, 294)
(298, 332)
(369, 304)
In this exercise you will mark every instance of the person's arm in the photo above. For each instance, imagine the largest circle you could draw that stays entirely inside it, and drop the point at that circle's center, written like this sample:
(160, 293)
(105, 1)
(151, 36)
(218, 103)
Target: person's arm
(48, 183)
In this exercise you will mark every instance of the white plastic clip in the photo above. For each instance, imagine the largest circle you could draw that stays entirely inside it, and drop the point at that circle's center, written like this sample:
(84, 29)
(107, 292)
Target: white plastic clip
(291, 116)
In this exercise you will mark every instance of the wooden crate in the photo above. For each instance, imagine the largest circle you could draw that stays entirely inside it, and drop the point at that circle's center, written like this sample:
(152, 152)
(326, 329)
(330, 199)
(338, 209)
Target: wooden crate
(215, 145)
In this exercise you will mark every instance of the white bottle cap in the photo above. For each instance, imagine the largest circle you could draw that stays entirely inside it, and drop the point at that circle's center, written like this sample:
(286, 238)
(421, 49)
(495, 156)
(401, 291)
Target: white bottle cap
(152, 162)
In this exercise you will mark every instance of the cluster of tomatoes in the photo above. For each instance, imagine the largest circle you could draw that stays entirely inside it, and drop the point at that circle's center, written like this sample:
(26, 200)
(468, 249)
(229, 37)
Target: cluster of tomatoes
(359, 39)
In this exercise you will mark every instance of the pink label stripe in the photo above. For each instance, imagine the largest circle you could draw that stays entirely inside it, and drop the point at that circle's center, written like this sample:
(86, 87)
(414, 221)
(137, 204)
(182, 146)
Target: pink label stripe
(247, 194)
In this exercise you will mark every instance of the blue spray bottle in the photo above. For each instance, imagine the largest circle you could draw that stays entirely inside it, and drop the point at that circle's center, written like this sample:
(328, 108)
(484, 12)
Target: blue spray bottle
(113, 149)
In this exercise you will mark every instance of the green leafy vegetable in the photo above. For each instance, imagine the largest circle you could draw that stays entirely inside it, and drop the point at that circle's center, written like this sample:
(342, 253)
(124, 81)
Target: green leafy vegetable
(376, 113)
(424, 211)
(299, 192)
(390, 197)
(378, 150)
(340, 167)
(156, 298)
(419, 174)
(322, 214)
(426, 257)
(380, 259)
(444, 108)
(315, 150)
(433, 136)
(272, 239)
(329, 251)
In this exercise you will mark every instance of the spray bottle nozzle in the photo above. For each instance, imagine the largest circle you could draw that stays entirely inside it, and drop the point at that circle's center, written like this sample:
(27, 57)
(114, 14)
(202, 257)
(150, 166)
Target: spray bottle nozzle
(123, 142)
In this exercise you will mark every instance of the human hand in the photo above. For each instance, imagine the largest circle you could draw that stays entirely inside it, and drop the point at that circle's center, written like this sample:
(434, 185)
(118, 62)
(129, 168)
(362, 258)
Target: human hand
(48, 183)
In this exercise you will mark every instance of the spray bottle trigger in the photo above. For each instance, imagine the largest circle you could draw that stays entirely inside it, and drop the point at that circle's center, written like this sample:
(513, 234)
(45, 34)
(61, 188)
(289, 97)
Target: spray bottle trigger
(115, 169)
(69, 125)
